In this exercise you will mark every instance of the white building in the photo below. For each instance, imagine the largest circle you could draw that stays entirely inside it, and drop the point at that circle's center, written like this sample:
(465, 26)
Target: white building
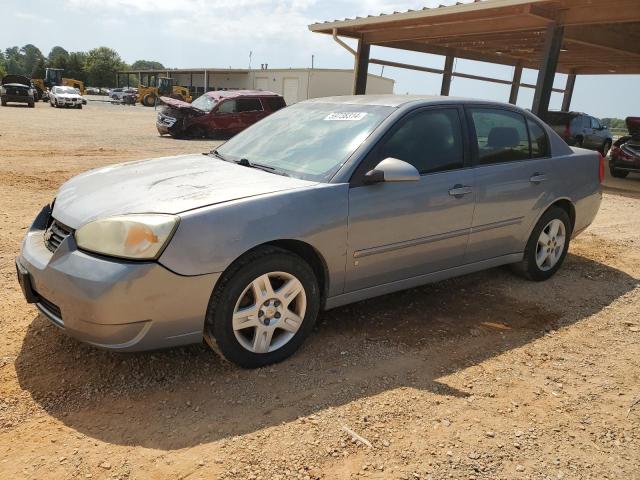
(294, 84)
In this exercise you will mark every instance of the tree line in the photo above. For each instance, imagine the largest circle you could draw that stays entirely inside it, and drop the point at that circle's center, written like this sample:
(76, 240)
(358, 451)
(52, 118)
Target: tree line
(96, 68)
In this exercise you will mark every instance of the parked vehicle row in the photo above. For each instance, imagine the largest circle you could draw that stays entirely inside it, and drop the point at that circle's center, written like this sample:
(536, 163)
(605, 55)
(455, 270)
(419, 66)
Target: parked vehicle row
(324, 203)
(625, 154)
(217, 113)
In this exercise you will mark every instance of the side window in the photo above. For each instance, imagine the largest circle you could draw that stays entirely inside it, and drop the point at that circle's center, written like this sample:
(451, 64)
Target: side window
(501, 135)
(228, 106)
(274, 103)
(595, 123)
(249, 105)
(578, 123)
(430, 140)
(539, 143)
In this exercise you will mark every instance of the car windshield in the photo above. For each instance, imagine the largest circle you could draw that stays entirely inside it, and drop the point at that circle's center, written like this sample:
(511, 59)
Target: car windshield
(310, 141)
(204, 103)
(65, 90)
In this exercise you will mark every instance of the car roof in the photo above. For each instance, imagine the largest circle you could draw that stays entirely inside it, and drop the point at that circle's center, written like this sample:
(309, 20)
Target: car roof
(16, 80)
(396, 100)
(224, 94)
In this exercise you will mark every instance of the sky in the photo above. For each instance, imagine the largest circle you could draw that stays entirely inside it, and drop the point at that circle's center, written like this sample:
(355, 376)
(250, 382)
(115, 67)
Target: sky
(221, 33)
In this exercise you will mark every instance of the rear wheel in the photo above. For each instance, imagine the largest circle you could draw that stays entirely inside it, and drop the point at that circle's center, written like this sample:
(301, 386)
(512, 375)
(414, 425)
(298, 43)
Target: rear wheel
(263, 308)
(547, 246)
(579, 142)
(79, 107)
(32, 104)
(3, 103)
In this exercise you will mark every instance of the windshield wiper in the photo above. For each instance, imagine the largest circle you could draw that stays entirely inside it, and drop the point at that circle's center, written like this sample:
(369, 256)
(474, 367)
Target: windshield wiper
(245, 162)
(217, 154)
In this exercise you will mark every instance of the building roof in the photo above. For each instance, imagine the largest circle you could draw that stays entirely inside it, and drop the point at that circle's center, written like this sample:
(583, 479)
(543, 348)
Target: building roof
(600, 37)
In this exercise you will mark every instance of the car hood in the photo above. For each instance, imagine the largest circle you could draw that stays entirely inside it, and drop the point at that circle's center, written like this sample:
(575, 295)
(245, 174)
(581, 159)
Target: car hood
(178, 104)
(162, 185)
(20, 79)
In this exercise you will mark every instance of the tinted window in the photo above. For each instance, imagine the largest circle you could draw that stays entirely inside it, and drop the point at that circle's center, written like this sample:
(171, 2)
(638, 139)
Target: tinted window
(249, 104)
(558, 118)
(274, 103)
(595, 123)
(578, 122)
(228, 106)
(430, 140)
(501, 135)
(539, 143)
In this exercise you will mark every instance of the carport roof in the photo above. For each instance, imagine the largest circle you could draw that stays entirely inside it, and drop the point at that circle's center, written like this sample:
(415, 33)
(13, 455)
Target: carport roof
(600, 37)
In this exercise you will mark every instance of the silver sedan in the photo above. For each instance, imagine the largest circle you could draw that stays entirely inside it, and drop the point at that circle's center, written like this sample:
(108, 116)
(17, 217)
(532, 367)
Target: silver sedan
(324, 203)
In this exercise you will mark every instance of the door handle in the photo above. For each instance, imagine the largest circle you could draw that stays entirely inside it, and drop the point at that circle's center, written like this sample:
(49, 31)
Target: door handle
(538, 178)
(460, 191)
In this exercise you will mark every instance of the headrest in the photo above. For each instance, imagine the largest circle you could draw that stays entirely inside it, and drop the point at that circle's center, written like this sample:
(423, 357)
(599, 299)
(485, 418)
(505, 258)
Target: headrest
(503, 137)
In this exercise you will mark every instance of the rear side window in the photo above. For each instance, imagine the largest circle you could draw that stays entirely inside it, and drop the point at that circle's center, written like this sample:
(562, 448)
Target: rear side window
(249, 104)
(430, 140)
(501, 135)
(539, 142)
(595, 123)
(274, 103)
(228, 106)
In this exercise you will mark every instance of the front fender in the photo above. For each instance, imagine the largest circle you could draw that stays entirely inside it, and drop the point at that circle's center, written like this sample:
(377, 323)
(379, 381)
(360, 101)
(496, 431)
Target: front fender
(209, 239)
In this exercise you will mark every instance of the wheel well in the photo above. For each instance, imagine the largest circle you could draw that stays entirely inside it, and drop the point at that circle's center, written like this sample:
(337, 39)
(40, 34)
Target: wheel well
(568, 207)
(312, 257)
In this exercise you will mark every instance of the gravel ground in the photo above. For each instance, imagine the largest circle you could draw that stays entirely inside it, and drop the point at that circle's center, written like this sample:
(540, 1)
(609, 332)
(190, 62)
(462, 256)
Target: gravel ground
(481, 377)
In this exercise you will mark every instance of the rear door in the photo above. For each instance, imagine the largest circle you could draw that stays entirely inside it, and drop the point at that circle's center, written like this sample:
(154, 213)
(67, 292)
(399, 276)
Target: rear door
(251, 110)
(511, 178)
(407, 229)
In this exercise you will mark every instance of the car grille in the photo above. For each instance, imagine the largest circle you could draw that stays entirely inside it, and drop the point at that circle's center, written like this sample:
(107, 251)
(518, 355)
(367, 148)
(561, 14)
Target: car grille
(51, 310)
(55, 235)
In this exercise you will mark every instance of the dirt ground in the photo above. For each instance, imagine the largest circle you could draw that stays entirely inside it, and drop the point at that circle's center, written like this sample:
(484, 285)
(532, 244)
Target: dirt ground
(486, 376)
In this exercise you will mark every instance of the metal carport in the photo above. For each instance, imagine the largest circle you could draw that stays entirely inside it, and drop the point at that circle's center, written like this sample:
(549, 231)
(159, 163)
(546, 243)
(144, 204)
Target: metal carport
(567, 36)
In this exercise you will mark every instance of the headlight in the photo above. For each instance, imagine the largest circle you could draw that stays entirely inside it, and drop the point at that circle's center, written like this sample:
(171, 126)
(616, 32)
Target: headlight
(140, 237)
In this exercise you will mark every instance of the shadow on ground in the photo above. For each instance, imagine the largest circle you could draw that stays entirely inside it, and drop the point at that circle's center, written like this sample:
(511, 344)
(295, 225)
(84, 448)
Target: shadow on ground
(182, 397)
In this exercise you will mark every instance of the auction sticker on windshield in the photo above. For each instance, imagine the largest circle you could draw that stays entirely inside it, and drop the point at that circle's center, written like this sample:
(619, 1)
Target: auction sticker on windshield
(346, 116)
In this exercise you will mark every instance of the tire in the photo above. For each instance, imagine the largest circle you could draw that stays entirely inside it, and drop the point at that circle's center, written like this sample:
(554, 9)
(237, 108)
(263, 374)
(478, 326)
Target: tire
(618, 173)
(3, 103)
(149, 100)
(79, 107)
(50, 103)
(32, 104)
(196, 132)
(579, 142)
(606, 147)
(537, 271)
(242, 345)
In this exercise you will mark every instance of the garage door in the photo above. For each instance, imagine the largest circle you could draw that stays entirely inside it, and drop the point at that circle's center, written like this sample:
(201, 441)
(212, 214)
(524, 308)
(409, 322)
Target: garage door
(290, 90)
(262, 83)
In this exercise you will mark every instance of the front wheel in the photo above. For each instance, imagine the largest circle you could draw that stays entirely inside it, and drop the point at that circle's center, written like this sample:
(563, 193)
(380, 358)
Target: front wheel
(263, 308)
(547, 246)
(618, 173)
(606, 147)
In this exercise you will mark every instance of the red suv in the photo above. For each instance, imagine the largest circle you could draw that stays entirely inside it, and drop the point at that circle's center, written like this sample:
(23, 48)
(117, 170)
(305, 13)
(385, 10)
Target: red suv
(216, 114)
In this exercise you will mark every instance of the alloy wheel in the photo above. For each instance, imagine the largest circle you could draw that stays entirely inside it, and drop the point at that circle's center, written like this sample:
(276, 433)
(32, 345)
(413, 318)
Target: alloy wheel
(269, 312)
(550, 245)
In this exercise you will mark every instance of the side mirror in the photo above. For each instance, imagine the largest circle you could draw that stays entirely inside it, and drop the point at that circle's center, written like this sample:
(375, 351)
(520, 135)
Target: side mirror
(392, 170)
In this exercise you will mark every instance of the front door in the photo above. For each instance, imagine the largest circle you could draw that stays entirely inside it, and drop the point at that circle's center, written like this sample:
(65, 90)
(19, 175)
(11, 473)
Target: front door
(403, 230)
(226, 119)
(512, 175)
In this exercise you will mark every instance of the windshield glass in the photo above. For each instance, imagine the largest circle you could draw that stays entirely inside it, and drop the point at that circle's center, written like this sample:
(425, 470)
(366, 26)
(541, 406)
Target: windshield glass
(204, 103)
(65, 90)
(310, 141)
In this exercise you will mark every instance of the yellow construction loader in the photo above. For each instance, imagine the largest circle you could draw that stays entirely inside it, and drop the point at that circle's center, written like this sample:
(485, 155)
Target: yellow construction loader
(161, 87)
(52, 78)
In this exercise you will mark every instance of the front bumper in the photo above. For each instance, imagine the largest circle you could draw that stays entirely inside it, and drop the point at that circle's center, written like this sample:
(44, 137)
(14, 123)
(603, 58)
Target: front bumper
(112, 304)
(69, 102)
(625, 164)
(17, 98)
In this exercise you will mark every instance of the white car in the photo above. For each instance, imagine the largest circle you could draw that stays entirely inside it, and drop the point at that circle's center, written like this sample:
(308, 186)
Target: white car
(119, 93)
(65, 97)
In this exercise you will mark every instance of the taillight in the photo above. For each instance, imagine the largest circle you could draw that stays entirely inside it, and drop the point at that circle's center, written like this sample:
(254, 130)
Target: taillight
(567, 131)
(601, 168)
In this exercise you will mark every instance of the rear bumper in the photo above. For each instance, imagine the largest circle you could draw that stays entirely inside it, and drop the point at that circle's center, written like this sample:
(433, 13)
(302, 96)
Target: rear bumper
(625, 164)
(115, 305)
